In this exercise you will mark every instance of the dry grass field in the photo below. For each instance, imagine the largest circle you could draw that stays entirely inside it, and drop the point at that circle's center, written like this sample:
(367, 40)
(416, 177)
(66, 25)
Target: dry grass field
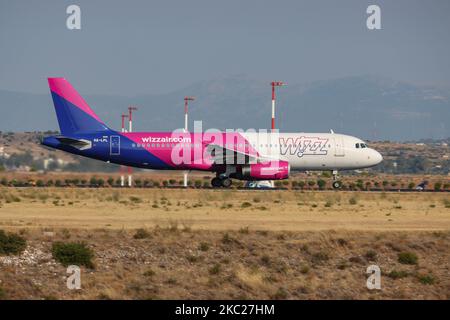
(228, 244)
(222, 209)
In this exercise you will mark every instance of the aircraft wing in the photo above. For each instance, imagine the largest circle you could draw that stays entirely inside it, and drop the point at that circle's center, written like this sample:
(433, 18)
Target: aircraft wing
(223, 155)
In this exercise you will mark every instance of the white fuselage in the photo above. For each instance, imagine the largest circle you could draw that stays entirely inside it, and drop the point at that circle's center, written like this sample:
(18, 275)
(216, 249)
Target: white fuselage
(315, 151)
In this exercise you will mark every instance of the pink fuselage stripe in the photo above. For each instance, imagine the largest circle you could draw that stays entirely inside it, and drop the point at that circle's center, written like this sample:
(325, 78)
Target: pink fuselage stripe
(200, 141)
(63, 88)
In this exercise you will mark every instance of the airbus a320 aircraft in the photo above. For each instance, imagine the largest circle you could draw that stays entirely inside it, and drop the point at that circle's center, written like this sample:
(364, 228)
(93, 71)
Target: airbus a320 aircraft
(238, 155)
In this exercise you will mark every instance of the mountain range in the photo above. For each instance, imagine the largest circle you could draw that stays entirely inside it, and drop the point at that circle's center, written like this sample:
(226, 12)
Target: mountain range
(369, 107)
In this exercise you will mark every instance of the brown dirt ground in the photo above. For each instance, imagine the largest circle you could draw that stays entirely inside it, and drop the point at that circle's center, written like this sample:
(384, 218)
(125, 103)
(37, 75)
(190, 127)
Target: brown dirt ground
(281, 245)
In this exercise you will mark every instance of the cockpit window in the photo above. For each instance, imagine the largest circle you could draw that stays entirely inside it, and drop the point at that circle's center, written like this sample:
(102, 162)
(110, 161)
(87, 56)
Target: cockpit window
(361, 145)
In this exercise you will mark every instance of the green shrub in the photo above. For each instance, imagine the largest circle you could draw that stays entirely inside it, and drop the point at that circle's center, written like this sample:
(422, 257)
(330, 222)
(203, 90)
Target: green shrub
(281, 294)
(198, 183)
(244, 230)
(227, 239)
(2, 294)
(371, 255)
(191, 258)
(149, 273)
(447, 203)
(394, 274)
(265, 259)
(320, 256)
(73, 253)
(321, 184)
(203, 246)
(246, 204)
(215, 269)
(326, 174)
(141, 234)
(110, 181)
(437, 186)
(304, 269)
(135, 199)
(93, 181)
(407, 258)
(426, 278)
(328, 204)
(11, 243)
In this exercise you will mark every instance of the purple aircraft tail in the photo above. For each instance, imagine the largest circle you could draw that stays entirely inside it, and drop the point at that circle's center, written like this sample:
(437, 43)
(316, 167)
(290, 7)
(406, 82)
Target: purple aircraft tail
(74, 114)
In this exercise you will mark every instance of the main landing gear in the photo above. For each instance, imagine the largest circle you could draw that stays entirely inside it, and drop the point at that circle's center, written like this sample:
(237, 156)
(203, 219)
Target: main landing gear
(336, 183)
(219, 181)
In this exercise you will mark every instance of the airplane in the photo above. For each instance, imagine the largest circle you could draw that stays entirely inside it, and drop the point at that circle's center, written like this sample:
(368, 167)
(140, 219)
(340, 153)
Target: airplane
(247, 156)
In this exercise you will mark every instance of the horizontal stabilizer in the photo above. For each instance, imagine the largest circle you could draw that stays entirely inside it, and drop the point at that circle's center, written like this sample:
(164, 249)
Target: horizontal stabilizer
(80, 144)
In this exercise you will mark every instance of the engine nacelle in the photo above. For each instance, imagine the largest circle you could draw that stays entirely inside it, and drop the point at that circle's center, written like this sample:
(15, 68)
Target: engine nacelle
(271, 170)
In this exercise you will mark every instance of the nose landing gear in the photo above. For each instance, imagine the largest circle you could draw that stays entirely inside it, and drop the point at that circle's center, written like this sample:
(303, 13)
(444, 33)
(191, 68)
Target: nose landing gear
(336, 183)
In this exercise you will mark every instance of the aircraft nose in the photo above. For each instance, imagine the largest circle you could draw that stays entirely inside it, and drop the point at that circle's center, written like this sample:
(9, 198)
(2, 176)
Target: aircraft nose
(376, 157)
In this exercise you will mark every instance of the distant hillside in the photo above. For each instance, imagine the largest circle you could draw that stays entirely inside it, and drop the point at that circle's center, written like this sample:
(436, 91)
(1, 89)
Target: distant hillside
(369, 107)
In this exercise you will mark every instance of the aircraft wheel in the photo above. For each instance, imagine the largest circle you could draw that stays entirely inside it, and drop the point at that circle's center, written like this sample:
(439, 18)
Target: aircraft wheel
(337, 184)
(216, 182)
(226, 183)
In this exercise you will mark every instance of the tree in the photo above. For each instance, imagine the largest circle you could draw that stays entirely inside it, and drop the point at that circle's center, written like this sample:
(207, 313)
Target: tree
(93, 181)
(437, 186)
(321, 184)
(100, 182)
(110, 181)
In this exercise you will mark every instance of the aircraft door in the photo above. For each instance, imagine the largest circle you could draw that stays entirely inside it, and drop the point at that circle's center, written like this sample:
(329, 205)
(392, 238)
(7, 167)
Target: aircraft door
(114, 145)
(339, 150)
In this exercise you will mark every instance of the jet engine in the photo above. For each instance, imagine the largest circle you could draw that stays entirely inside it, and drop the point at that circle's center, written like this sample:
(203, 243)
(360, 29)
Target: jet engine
(271, 170)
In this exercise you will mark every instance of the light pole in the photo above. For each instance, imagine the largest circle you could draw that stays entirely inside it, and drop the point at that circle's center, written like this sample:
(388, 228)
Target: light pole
(130, 129)
(274, 84)
(130, 118)
(122, 168)
(124, 116)
(186, 101)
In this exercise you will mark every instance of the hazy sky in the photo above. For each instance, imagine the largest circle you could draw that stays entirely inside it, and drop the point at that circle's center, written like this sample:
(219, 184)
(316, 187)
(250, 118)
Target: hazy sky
(130, 47)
